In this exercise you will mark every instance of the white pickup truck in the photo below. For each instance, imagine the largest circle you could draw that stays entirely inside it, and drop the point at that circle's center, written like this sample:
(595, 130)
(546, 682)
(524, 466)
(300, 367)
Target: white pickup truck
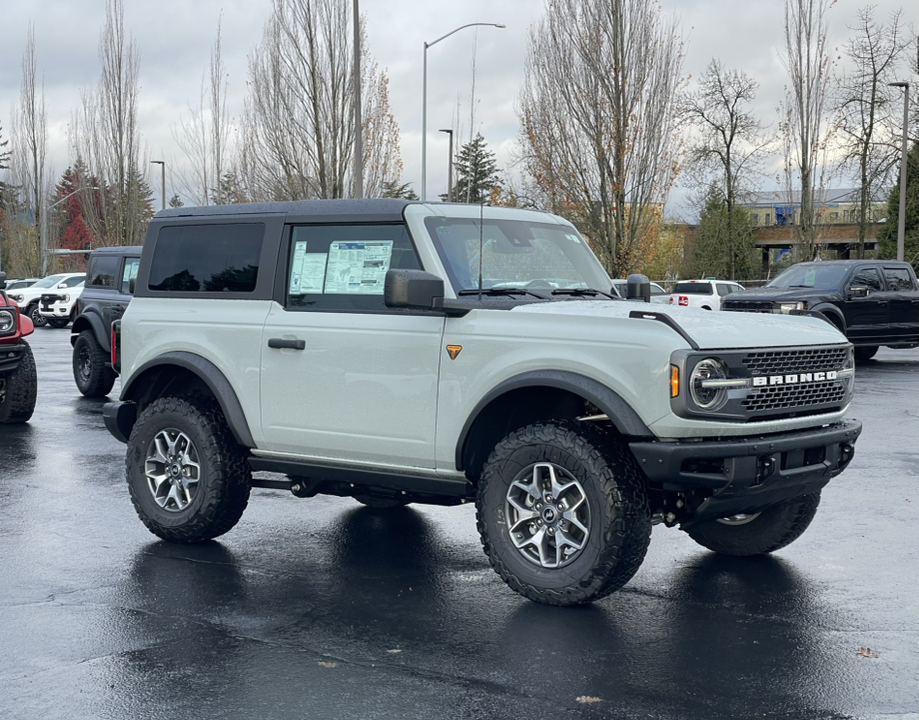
(704, 294)
(399, 352)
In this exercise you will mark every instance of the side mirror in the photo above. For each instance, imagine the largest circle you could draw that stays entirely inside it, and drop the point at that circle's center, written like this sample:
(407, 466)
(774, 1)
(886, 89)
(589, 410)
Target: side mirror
(638, 287)
(2, 281)
(412, 289)
(858, 292)
(131, 284)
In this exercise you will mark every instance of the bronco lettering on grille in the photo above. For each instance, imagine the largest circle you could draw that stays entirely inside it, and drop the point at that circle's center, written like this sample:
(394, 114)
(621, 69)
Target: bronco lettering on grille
(794, 379)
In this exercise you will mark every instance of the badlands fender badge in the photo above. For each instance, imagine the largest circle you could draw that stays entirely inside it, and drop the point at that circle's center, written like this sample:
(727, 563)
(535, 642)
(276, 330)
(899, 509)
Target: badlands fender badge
(454, 350)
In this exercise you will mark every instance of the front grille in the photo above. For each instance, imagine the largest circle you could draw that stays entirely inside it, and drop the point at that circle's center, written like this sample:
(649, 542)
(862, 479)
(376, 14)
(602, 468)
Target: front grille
(782, 397)
(777, 362)
(747, 306)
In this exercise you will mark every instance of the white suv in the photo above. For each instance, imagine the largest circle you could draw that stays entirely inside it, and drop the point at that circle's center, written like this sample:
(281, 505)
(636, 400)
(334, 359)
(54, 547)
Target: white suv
(28, 299)
(399, 352)
(705, 294)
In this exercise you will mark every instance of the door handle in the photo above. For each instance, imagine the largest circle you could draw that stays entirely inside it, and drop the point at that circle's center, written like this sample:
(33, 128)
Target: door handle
(284, 343)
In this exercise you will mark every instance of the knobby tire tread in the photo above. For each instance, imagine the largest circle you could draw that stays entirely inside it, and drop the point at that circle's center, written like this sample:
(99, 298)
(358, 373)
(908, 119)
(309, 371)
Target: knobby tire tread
(228, 482)
(621, 484)
(21, 390)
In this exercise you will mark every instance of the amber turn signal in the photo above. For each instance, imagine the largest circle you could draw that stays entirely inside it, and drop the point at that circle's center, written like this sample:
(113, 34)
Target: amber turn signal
(674, 381)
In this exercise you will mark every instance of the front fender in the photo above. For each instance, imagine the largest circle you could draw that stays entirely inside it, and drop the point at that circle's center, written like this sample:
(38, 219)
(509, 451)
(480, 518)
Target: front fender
(151, 374)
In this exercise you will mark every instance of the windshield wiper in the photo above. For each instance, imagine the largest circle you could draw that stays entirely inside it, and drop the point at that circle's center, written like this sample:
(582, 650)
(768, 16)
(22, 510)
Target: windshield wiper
(494, 292)
(584, 291)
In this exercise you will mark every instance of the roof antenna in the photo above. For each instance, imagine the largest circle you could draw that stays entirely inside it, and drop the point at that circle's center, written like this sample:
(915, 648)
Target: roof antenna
(481, 245)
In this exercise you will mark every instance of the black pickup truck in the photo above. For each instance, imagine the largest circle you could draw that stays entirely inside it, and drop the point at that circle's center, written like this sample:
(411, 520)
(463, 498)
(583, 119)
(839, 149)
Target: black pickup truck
(874, 302)
(108, 290)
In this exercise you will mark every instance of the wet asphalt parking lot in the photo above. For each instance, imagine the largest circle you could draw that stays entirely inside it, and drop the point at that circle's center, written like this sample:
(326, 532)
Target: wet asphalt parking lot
(321, 608)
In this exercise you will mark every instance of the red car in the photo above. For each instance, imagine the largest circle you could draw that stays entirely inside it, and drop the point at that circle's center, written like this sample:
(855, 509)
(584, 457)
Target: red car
(18, 379)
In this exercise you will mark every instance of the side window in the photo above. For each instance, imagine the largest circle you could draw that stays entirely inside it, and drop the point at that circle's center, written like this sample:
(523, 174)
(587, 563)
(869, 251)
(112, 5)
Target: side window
(867, 277)
(73, 281)
(207, 258)
(102, 271)
(130, 272)
(898, 279)
(723, 289)
(343, 267)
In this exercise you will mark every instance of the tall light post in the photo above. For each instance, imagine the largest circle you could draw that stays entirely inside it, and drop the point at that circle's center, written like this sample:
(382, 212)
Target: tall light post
(901, 221)
(450, 167)
(424, 101)
(44, 226)
(162, 164)
(358, 123)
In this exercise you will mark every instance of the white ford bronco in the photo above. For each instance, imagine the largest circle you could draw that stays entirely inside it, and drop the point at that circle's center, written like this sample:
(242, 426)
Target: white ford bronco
(400, 352)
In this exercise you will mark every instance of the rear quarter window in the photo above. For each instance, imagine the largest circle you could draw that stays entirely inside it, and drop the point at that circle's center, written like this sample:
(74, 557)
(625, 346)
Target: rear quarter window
(102, 271)
(699, 288)
(207, 258)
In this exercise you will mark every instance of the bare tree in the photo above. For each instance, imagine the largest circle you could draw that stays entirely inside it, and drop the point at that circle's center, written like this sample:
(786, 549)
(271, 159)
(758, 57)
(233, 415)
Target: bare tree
(728, 144)
(597, 112)
(298, 129)
(868, 114)
(104, 135)
(32, 137)
(27, 165)
(205, 137)
(804, 110)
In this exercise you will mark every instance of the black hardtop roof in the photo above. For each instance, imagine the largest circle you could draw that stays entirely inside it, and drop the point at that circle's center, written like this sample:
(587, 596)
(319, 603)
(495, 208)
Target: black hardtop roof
(329, 210)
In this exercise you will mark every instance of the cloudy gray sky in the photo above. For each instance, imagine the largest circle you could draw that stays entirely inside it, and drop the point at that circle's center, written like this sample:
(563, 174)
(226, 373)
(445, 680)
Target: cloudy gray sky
(175, 37)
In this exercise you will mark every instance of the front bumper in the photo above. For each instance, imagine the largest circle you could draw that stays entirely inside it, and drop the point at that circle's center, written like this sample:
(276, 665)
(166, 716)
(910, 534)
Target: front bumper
(743, 475)
(11, 356)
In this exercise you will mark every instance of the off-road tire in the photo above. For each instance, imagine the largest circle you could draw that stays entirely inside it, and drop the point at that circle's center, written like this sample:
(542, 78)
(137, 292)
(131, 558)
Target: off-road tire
(614, 488)
(774, 528)
(59, 322)
(225, 479)
(379, 503)
(19, 390)
(91, 371)
(38, 320)
(865, 353)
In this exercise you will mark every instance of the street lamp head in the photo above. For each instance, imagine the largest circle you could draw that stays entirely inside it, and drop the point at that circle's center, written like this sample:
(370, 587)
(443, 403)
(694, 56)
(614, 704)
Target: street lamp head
(898, 84)
(447, 131)
(157, 162)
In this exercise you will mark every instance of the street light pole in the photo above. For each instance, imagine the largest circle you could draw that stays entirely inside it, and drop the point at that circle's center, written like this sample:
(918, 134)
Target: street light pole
(450, 167)
(424, 101)
(358, 123)
(162, 164)
(901, 220)
(44, 227)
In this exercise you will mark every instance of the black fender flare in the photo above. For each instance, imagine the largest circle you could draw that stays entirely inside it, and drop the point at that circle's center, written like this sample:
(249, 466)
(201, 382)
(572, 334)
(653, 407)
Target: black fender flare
(94, 322)
(620, 413)
(211, 376)
(831, 313)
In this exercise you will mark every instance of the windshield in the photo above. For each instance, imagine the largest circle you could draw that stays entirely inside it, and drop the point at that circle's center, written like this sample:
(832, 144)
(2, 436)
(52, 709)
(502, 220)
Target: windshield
(48, 281)
(810, 275)
(514, 254)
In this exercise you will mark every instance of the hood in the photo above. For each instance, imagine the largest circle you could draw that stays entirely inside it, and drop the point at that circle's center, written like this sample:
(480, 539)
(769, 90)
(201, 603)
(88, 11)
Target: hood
(781, 294)
(710, 330)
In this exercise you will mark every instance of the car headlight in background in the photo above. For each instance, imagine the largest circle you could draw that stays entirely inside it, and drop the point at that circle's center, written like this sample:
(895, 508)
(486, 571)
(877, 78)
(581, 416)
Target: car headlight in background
(787, 307)
(704, 386)
(7, 322)
(65, 298)
(15, 298)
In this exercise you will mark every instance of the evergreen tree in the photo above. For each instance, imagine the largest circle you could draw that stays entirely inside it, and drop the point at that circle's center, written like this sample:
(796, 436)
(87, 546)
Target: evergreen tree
(716, 253)
(392, 189)
(477, 173)
(888, 235)
(176, 202)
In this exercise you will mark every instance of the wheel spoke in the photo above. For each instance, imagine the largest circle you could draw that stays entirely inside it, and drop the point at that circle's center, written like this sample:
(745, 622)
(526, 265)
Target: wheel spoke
(572, 518)
(172, 470)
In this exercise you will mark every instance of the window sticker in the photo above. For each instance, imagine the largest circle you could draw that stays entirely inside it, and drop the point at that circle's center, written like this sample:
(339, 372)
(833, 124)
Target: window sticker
(358, 268)
(307, 271)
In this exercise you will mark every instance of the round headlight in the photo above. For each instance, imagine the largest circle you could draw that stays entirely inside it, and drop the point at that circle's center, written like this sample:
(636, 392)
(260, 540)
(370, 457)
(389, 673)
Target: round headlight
(707, 398)
(7, 321)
